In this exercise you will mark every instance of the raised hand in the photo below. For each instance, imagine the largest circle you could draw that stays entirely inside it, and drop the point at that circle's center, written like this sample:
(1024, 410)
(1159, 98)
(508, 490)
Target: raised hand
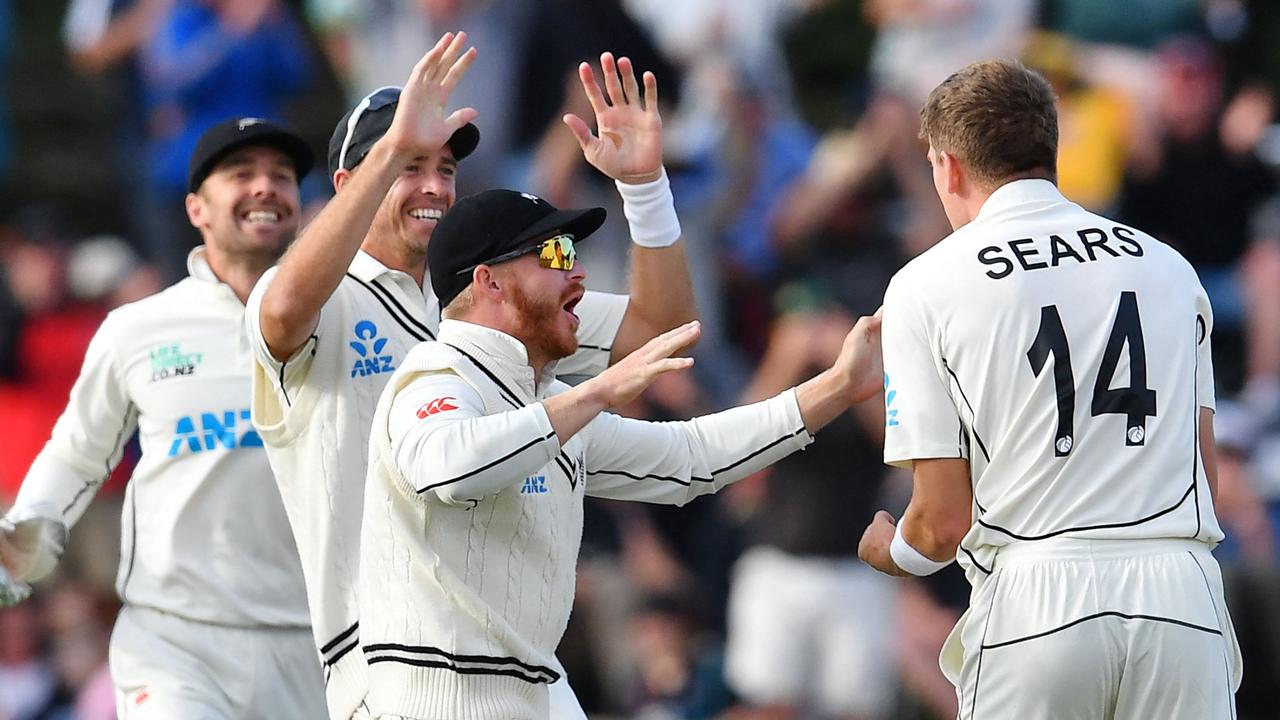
(627, 378)
(420, 122)
(629, 145)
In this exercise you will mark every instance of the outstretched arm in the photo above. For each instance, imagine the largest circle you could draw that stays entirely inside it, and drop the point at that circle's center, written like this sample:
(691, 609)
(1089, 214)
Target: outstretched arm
(628, 148)
(312, 269)
(675, 462)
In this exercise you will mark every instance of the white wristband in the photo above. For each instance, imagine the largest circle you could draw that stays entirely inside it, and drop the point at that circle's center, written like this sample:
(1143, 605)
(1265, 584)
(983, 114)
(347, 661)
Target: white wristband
(650, 212)
(910, 559)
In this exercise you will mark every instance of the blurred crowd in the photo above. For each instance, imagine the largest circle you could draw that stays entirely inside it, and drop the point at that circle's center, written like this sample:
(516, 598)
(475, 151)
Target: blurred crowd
(801, 185)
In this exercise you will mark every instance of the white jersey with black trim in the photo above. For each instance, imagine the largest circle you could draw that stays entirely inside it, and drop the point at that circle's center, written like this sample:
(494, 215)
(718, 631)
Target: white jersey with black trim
(314, 412)
(205, 535)
(474, 517)
(1066, 356)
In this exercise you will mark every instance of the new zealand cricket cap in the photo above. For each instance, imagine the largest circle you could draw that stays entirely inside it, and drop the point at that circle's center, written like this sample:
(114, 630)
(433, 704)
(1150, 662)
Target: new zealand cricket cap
(228, 136)
(369, 120)
(486, 225)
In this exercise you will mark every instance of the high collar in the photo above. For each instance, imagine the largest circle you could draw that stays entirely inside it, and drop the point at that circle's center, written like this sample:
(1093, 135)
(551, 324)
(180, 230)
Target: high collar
(199, 269)
(1019, 193)
(500, 352)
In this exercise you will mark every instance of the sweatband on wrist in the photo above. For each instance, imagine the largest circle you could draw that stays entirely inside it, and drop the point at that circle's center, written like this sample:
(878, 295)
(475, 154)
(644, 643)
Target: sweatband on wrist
(650, 212)
(910, 559)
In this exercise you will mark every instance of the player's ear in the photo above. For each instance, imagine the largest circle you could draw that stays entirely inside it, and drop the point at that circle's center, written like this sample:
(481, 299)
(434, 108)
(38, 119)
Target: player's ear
(952, 172)
(340, 178)
(488, 282)
(197, 212)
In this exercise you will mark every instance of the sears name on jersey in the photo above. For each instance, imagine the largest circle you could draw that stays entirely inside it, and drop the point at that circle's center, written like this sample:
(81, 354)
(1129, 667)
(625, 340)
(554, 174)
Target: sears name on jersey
(1079, 247)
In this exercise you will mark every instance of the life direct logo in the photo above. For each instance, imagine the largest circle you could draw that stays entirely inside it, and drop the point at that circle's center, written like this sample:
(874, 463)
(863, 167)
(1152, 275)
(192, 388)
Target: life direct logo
(369, 347)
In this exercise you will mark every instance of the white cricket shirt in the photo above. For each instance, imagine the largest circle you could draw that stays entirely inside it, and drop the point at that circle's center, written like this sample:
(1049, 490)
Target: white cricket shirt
(205, 535)
(473, 518)
(1067, 357)
(314, 412)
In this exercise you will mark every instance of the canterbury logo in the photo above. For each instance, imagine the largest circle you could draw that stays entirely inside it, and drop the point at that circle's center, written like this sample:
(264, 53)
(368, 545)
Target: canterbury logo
(438, 405)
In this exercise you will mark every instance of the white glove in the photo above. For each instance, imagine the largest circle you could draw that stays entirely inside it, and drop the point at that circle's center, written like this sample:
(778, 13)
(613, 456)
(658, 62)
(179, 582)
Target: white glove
(12, 592)
(31, 547)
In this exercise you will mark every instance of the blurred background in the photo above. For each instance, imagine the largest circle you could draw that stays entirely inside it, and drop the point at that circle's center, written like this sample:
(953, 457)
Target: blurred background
(801, 186)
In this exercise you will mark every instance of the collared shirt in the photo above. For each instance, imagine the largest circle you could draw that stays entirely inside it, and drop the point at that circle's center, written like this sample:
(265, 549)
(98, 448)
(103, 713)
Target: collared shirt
(1066, 356)
(204, 531)
(473, 517)
(314, 412)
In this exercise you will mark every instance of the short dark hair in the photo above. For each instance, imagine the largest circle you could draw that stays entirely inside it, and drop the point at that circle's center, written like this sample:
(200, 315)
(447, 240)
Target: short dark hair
(998, 118)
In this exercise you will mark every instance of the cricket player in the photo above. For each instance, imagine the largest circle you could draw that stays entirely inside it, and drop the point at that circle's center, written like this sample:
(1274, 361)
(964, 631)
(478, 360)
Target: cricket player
(480, 461)
(1048, 377)
(214, 623)
(351, 298)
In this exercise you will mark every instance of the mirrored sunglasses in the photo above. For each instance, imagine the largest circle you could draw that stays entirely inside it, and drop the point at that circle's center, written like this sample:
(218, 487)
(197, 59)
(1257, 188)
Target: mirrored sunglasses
(554, 253)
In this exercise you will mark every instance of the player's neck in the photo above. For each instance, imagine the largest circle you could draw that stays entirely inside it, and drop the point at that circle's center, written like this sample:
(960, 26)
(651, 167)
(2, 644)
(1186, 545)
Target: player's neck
(239, 271)
(413, 264)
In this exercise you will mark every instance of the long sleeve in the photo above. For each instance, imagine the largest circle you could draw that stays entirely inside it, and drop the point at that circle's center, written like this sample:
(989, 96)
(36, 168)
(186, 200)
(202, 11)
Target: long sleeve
(443, 443)
(674, 462)
(86, 442)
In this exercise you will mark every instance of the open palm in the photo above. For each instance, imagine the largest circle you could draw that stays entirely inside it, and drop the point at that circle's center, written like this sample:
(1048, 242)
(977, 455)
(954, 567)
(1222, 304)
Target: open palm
(628, 146)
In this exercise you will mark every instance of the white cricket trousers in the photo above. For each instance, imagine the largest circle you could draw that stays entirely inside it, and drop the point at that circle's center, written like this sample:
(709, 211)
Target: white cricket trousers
(165, 667)
(1067, 629)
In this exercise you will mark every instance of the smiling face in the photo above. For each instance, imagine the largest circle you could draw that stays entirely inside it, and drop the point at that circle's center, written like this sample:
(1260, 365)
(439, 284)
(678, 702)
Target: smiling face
(417, 200)
(249, 204)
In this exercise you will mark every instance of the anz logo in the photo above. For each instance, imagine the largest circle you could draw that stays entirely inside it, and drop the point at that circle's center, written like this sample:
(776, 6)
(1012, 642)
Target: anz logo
(228, 430)
(534, 485)
(369, 347)
(890, 412)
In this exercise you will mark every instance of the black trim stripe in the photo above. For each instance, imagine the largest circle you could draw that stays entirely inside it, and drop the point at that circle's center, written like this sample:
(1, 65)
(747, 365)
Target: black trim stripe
(280, 381)
(1083, 528)
(113, 459)
(653, 477)
(505, 391)
(133, 541)
(399, 320)
(566, 468)
(982, 644)
(480, 664)
(408, 315)
(342, 653)
(486, 466)
(974, 560)
(1195, 428)
(337, 640)
(594, 347)
(1220, 612)
(733, 465)
(1095, 616)
(972, 413)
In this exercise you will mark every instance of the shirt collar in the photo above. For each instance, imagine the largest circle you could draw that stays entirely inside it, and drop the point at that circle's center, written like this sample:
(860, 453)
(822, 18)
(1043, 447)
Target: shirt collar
(1019, 192)
(198, 266)
(497, 348)
(199, 269)
(367, 268)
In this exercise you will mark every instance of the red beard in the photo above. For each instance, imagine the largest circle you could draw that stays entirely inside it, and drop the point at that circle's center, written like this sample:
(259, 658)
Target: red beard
(540, 325)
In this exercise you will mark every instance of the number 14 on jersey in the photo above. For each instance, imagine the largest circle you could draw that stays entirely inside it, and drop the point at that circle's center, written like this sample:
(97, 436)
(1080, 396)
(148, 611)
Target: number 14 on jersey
(1136, 402)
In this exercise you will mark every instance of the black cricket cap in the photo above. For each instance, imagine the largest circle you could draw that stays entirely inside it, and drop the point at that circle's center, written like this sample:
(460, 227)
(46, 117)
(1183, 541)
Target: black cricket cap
(228, 136)
(369, 120)
(483, 226)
